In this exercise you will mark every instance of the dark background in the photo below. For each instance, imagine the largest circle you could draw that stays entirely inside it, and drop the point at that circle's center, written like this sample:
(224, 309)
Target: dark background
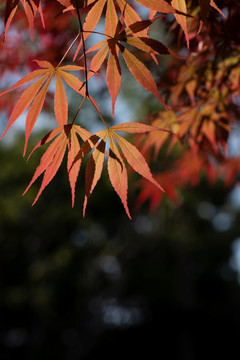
(160, 286)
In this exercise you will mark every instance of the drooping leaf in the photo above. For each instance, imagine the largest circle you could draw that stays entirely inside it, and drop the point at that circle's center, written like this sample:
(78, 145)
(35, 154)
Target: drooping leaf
(98, 60)
(213, 4)
(30, 10)
(46, 139)
(60, 102)
(72, 81)
(30, 7)
(94, 170)
(11, 7)
(24, 101)
(29, 77)
(89, 143)
(74, 167)
(118, 173)
(113, 76)
(135, 159)
(116, 167)
(111, 19)
(34, 111)
(136, 128)
(181, 19)
(142, 74)
(51, 158)
(205, 6)
(36, 94)
(73, 174)
(53, 167)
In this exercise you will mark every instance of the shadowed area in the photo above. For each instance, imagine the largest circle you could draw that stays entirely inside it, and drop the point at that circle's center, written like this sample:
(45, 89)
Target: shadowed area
(165, 284)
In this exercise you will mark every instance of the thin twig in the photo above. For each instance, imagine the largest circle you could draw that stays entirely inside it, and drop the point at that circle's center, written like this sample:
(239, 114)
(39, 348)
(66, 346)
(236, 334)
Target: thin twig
(84, 49)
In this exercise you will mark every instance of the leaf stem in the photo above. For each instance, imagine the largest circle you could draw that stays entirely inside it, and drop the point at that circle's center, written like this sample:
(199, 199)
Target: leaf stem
(68, 50)
(99, 113)
(81, 105)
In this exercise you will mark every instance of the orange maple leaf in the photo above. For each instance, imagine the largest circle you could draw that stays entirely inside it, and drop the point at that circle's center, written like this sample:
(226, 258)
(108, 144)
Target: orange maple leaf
(65, 135)
(35, 94)
(30, 8)
(116, 164)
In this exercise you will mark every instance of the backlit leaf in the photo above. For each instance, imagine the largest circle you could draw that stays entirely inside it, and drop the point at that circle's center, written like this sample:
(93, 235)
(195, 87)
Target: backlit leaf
(98, 60)
(46, 139)
(60, 102)
(111, 19)
(118, 173)
(11, 7)
(213, 4)
(135, 159)
(34, 111)
(72, 81)
(29, 77)
(113, 77)
(24, 101)
(54, 165)
(158, 5)
(181, 19)
(142, 74)
(73, 173)
(36, 94)
(135, 128)
(48, 158)
(74, 166)
(94, 170)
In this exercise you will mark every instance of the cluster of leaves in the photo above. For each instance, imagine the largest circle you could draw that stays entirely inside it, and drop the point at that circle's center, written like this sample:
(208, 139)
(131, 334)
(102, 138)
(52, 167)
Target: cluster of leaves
(205, 108)
(204, 121)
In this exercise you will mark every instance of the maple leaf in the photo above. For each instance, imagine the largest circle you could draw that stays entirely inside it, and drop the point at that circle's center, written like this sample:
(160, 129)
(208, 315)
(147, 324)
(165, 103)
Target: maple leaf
(30, 8)
(116, 164)
(205, 125)
(11, 7)
(203, 122)
(65, 135)
(141, 74)
(115, 41)
(181, 19)
(129, 15)
(34, 96)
